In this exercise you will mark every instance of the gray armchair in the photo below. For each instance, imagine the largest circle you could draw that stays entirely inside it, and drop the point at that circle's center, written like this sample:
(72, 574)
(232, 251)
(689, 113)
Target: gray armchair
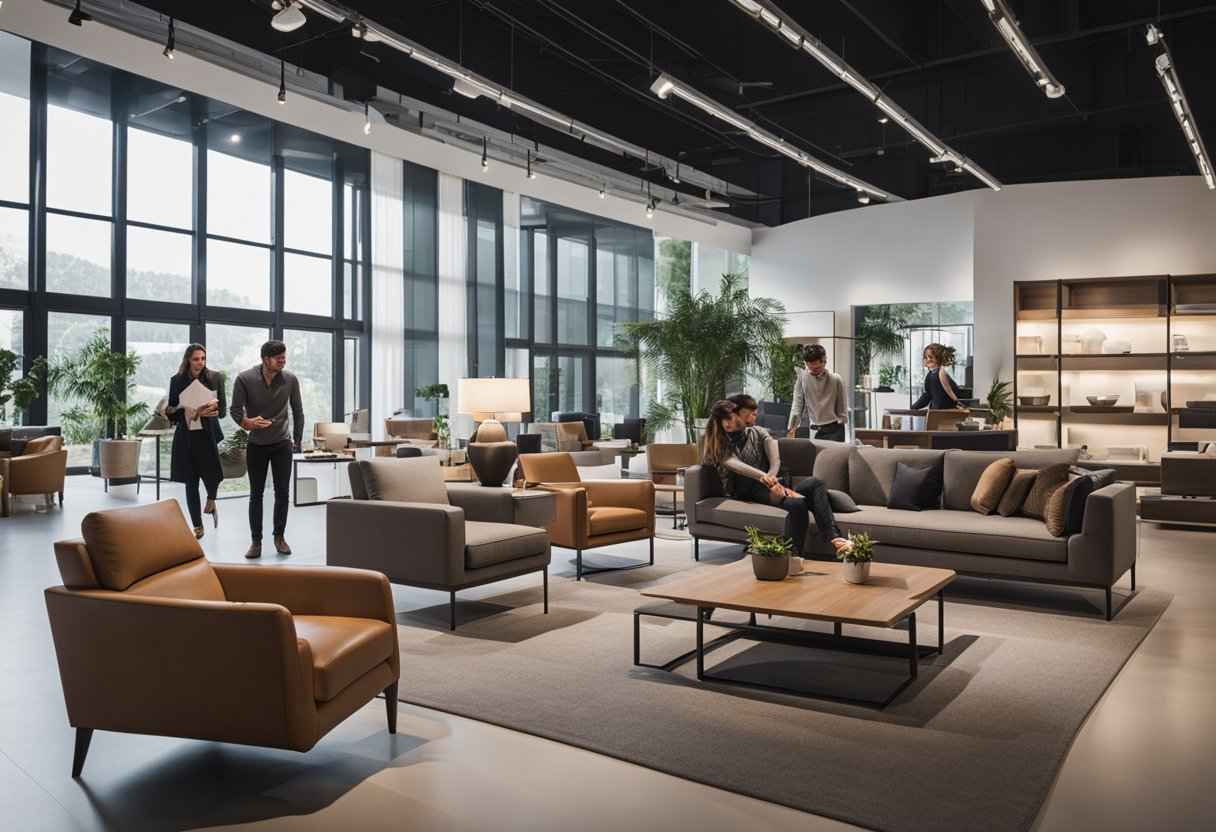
(406, 523)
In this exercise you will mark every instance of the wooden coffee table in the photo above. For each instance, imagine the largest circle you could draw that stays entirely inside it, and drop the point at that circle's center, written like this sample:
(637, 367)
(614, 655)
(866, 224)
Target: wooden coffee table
(894, 593)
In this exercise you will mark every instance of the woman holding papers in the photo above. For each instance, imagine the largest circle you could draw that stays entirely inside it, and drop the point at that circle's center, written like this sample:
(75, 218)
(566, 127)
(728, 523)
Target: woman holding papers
(196, 405)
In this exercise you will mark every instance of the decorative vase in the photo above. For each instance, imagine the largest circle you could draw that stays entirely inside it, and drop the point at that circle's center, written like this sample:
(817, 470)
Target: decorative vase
(1091, 341)
(856, 573)
(769, 568)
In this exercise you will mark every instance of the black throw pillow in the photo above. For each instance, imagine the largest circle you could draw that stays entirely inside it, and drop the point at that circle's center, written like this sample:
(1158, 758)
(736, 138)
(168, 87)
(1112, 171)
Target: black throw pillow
(840, 502)
(915, 487)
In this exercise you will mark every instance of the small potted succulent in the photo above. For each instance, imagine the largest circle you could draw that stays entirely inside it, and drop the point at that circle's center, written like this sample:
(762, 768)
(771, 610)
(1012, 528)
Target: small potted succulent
(770, 554)
(857, 557)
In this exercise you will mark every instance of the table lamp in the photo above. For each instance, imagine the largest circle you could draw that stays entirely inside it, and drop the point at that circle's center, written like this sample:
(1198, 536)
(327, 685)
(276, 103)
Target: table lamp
(489, 400)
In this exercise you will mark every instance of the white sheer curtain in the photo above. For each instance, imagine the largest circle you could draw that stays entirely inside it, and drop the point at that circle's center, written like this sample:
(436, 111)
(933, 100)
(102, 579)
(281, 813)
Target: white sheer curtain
(388, 289)
(453, 296)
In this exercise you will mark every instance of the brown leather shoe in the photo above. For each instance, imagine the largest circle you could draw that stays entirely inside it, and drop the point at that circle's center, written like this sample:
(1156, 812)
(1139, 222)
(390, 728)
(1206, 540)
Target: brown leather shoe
(280, 546)
(255, 550)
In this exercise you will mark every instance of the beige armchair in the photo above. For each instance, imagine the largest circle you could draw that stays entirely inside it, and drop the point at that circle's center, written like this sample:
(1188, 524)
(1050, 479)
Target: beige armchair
(406, 522)
(40, 469)
(330, 436)
(420, 430)
(592, 513)
(151, 638)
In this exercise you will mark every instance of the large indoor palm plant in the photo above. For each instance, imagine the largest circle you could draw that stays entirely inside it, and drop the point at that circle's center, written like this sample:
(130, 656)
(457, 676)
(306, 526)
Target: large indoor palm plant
(100, 384)
(880, 331)
(704, 343)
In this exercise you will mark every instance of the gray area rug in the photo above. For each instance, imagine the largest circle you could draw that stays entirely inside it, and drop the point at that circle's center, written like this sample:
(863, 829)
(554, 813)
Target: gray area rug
(974, 742)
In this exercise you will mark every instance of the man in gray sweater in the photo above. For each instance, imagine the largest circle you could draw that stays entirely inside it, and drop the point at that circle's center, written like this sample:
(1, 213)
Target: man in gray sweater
(823, 394)
(261, 396)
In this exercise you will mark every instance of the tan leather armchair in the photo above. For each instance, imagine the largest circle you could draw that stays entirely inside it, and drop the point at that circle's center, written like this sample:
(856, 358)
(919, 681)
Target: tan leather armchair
(40, 469)
(592, 513)
(406, 522)
(152, 638)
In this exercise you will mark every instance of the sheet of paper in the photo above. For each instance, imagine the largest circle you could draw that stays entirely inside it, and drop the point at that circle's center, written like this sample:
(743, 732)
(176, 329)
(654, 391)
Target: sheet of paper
(195, 396)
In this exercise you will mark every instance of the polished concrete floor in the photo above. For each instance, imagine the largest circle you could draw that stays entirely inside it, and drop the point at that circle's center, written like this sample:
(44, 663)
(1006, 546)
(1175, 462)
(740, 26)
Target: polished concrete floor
(1143, 760)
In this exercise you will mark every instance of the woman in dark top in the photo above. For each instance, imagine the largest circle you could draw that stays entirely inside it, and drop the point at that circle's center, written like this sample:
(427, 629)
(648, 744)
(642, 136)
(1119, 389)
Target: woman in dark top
(939, 392)
(747, 461)
(195, 452)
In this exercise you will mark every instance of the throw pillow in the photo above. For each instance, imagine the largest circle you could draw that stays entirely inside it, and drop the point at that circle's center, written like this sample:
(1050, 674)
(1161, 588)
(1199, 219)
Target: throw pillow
(1102, 477)
(1045, 484)
(915, 487)
(1015, 494)
(840, 502)
(1066, 508)
(992, 485)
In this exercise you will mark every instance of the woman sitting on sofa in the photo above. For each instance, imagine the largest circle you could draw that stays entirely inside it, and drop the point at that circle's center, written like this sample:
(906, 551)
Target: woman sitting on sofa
(747, 461)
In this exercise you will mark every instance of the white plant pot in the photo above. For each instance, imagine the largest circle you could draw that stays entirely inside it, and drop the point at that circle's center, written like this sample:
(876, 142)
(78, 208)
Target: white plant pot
(857, 573)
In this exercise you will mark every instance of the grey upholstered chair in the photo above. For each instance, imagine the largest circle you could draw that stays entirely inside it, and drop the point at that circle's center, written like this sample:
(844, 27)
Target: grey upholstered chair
(405, 522)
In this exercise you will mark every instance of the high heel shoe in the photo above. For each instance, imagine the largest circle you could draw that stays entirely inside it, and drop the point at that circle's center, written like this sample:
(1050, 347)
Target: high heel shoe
(215, 514)
(199, 531)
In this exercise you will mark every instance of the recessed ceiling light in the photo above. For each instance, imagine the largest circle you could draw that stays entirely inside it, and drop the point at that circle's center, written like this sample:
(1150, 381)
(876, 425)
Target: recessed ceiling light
(235, 138)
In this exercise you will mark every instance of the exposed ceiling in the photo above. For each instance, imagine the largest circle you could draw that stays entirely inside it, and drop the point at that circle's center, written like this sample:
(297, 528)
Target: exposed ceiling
(941, 60)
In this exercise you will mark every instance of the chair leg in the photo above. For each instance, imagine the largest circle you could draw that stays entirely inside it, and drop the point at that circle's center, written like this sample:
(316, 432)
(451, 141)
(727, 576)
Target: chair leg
(83, 737)
(545, 573)
(390, 705)
(61, 499)
(48, 500)
(1108, 603)
(696, 548)
(1133, 576)
(578, 564)
(652, 550)
(452, 610)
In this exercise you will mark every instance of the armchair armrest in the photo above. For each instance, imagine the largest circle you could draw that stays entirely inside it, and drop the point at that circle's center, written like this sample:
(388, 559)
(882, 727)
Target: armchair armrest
(570, 527)
(420, 543)
(696, 488)
(310, 590)
(209, 670)
(487, 505)
(1106, 545)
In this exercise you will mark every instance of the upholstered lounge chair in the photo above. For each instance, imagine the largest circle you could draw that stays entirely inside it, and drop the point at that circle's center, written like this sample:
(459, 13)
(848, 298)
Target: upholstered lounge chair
(40, 469)
(405, 522)
(592, 513)
(152, 638)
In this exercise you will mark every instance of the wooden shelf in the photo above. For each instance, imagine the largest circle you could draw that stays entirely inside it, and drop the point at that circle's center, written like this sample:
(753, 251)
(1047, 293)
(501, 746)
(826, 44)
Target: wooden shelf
(1123, 313)
(1119, 418)
(1089, 408)
(1037, 314)
(1037, 408)
(1126, 361)
(1184, 361)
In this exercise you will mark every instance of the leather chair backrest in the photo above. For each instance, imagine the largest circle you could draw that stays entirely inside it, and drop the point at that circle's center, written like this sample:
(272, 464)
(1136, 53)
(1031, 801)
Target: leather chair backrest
(409, 428)
(569, 434)
(591, 421)
(416, 480)
(43, 445)
(127, 545)
(549, 467)
(665, 460)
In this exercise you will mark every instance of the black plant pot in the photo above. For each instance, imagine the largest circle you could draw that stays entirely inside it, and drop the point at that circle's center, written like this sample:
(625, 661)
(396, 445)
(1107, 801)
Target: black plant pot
(769, 568)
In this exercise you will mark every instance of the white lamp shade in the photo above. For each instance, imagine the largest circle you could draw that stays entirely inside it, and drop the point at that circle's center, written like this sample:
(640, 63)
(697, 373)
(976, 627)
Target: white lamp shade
(501, 398)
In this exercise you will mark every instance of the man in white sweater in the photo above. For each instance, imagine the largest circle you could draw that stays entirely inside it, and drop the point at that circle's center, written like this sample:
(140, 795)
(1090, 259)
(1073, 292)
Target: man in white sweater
(822, 393)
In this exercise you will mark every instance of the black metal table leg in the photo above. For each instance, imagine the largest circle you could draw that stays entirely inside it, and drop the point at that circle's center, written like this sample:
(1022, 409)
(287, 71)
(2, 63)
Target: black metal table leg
(941, 622)
(913, 656)
(701, 642)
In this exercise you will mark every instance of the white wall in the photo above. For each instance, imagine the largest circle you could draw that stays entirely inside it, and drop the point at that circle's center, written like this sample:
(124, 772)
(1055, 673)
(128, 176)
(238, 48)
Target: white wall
(974, 245)
(47, 24)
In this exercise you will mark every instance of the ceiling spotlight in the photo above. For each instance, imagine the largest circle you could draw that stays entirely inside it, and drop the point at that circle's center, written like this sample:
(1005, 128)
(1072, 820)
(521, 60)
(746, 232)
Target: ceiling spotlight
(662, 86)
(170, 42)
(863, 197)
(650, 206)
(77, 16)
(289, 19)
(282, 81)
(531, 174)
(883, 119)
(235, 138)
(485, 159)
(367, 118)
(277, 5)
(467, 88)
(604, 188)
(1152, 34)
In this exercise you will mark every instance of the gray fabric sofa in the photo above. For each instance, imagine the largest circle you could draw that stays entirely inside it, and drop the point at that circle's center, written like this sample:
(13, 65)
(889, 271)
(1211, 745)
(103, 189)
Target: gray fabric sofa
(952, 537)
(13, 439)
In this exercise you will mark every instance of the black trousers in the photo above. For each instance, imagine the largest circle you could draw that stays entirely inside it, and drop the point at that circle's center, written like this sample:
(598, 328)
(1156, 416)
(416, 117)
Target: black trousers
(832, 433)
(813, 501)
(277, 457)
(206, 467)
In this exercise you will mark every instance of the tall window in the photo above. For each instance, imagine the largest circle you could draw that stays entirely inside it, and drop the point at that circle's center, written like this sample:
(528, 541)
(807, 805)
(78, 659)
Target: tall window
(310, 355)
(308, 238)
(159, 217)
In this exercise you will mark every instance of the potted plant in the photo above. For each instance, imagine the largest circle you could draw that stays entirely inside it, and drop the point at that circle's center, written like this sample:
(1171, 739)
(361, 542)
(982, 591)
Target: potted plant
(22, 392)
(880, 331)
(232, 454)
(857, 558)
(703, 344)
(1000, 399)
(770, 554)
(438, 393)
(889, 376)
(101, 384)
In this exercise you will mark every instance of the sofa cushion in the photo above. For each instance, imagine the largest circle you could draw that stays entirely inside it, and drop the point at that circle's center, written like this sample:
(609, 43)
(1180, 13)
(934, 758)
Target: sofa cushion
(959, 531)
(611, 519)
(832, 463)
(1102, 477)
(915, 487)
(1015, 494)
(1066, 508)
(992, 485)
(961, 470)
(43, 445)
(343, 649)
(1045, 484)
(726, 511)
(840, 502)
(486, 544)
(416, 480)
(872, 470)
(797, 457)
(129, 544)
